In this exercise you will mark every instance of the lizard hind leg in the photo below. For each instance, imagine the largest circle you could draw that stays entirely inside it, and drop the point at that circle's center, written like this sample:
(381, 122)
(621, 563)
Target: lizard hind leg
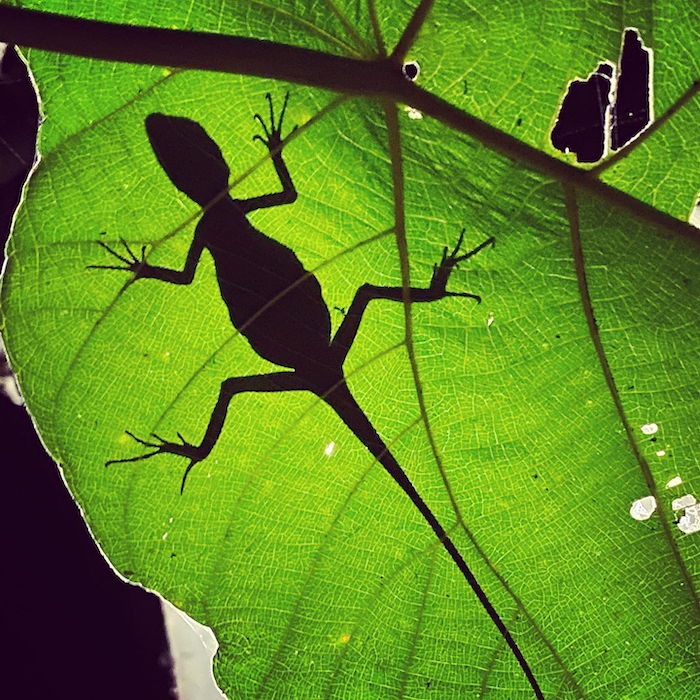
(182, 449)
(270, 383)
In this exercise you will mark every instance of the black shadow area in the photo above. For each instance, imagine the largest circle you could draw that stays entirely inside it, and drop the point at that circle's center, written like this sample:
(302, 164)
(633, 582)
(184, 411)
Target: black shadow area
(580, 126)
(71, 628)
(631, 111)
(583, 121)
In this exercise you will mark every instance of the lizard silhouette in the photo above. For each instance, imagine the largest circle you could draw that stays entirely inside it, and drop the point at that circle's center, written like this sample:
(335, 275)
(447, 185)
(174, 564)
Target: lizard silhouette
(277, 305)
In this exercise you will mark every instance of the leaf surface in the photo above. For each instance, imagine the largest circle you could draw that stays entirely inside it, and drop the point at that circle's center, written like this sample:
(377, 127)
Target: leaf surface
(315, 572)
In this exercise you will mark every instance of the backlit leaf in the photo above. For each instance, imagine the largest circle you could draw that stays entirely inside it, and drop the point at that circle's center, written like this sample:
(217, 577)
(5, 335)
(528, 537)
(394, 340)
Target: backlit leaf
(316, 573)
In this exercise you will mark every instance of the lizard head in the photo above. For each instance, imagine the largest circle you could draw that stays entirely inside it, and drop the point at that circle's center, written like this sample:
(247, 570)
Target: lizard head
(189, 156)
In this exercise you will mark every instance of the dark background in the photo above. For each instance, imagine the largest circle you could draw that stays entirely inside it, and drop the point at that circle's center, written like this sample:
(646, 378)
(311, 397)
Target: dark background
(71, 628)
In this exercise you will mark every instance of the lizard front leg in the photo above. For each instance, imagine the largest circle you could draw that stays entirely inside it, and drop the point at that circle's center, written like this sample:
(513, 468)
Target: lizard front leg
(143, 270)
(344, 337)
(272, 139)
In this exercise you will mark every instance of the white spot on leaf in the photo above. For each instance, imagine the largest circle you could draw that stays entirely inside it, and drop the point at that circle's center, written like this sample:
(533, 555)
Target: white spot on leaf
(683, 502)
(489, 320)
(690, 521)
(414, 113)
(676, 481)
(329, 450)
(643, 508)
(660, 453)
(649, 428)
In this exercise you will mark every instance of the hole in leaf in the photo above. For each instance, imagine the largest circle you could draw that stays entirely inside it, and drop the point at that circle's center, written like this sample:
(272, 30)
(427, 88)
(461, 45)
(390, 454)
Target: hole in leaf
(413, 113)
(631, 112)
(411, 69)
(580, 126)
(683, 502)
(193, 646)
(607, 107)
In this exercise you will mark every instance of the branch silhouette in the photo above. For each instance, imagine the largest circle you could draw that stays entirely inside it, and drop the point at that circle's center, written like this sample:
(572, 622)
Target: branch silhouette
(247, 56)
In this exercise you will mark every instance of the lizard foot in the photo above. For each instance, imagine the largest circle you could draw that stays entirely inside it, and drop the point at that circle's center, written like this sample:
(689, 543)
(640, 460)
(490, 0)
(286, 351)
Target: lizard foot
(194, 453)
(273, 134)
(449, 261)
(131, 264)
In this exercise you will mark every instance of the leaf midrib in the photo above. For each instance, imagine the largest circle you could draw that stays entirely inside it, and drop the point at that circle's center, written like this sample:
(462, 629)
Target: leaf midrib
(236, 54)
(609, 377)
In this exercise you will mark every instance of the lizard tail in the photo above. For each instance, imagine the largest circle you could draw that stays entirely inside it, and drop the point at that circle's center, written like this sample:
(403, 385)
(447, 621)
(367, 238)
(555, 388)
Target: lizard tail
(341, 400)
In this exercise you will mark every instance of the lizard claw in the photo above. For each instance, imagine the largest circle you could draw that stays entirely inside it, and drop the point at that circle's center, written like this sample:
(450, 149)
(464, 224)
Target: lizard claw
(261, 121)
(133, 263)
(460, 240)
(194, 453)
(448, 262)
(185, 475)
(459, 258)
(272, 137)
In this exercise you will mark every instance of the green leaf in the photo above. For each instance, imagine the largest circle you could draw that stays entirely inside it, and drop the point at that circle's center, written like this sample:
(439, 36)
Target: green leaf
(315, 571)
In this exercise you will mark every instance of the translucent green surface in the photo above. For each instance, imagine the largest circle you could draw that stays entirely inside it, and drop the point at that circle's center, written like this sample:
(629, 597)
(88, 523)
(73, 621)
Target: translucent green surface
(316, 573)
